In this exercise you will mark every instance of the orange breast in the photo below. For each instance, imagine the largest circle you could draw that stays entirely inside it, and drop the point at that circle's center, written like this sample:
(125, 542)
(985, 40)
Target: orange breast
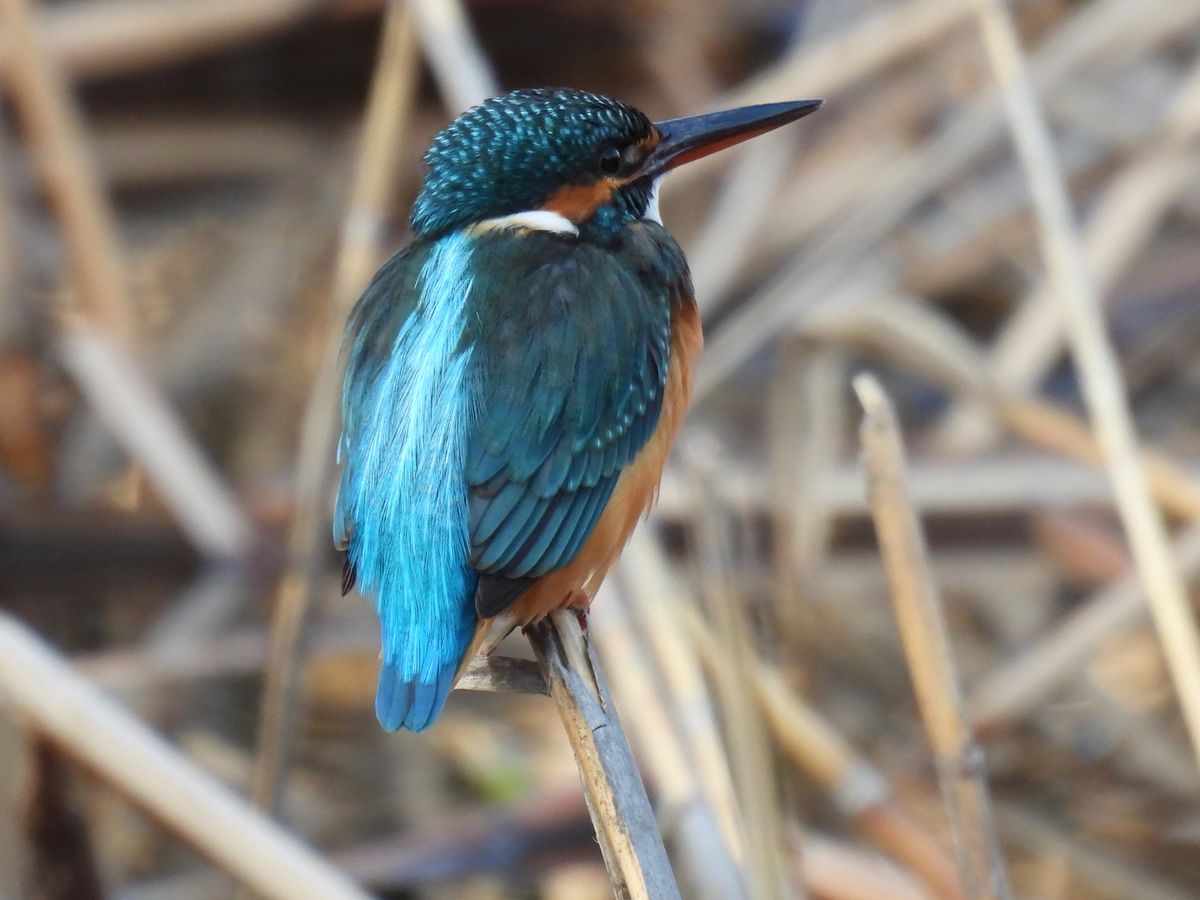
(575, 584)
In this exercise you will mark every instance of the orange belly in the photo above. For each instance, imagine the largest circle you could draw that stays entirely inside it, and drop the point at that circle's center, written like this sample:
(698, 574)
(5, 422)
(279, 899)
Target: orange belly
(576, 583)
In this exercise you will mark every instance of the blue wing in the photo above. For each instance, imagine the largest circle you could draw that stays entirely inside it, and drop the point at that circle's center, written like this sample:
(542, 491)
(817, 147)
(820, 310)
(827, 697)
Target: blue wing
(401, 511)
(574, 355)
(370, 337)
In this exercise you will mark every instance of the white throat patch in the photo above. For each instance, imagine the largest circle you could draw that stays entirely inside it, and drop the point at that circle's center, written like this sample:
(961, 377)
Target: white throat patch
(652, 212)
(532, 219)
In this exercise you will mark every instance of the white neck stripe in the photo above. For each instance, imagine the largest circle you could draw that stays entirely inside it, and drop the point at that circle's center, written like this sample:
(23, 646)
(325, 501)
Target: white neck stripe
(652, 212)
(533, 219)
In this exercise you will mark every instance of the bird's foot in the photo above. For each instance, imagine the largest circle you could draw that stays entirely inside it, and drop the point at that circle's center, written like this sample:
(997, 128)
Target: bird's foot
(578, 601)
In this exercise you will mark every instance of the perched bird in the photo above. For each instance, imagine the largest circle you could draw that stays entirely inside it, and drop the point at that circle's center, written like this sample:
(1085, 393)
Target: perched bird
(515, 376)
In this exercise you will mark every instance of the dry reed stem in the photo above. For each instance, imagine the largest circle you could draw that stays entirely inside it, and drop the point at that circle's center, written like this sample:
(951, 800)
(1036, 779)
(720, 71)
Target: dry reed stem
(838, 62)
(1016, 687)
(874, 42)
(751, 755)
(106, 739)
(388, 108)
(676, 34)
(97, 356)
(242, 651)
(9, 271)
(856, 787)
(1174, 488)
(58, 145)
(460, 68)
(1122, 221)
(719, 252)
(115, 37)
(943, 353)
(1096, 872)
(502, 674)
(1097, 364)
(834, 870)
(151, 153)
(803, 442)
(621, 813)
(140, 420)
(778, 305)
(690, 824)
(960, 762)
(922, 339)
(650, 595)
(1018, 482)
(841, 276)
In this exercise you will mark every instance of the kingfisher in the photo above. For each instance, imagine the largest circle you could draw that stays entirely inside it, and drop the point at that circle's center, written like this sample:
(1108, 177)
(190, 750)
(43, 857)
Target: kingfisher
(515, 376)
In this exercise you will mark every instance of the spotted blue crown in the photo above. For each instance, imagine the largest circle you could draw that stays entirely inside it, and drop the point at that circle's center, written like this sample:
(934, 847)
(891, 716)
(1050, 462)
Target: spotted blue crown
(512, 152)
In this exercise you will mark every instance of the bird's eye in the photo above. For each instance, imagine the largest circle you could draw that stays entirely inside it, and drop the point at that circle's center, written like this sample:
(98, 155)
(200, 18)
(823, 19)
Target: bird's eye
(610, 161)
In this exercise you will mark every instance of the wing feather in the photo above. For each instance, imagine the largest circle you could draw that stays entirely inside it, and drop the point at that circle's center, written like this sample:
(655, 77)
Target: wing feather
(574, 370)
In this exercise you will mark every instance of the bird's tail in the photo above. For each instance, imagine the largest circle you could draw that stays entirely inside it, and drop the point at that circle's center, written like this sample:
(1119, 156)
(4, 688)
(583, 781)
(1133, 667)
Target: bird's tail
(403, 702)
(414, 701)
(413, 704)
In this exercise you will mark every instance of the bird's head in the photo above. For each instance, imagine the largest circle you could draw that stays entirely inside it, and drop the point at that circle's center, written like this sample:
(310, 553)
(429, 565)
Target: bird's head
(588, 159)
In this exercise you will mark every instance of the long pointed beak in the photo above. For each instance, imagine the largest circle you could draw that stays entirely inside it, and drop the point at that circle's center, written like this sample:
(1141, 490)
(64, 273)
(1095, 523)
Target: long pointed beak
(692, 137)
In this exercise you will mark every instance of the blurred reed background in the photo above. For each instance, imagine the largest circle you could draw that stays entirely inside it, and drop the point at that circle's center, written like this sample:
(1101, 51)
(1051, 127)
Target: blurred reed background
(193, 192)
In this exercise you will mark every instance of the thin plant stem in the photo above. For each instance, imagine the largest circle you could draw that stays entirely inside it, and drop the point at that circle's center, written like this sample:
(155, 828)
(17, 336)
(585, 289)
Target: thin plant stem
(1103, 388)
(918, 609)
(616, 797)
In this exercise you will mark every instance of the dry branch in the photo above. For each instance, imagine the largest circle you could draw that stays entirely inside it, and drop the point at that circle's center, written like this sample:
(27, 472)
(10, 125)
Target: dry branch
(497, 674)
(56, 135)
(1097, 363)
(896, 190)
(462, 72)
(98, 356)
(650, 596)
(140, 419)
(922, 625)
(387, 111)
(112, 37)
(1015, 687)
(751, 755)
(124, 753)
(621, 812)
(1123, 220)
(707, 867)
(857, 788)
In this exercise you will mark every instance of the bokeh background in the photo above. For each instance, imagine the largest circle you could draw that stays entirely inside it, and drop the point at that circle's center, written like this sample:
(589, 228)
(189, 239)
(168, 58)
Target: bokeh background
(192, 192)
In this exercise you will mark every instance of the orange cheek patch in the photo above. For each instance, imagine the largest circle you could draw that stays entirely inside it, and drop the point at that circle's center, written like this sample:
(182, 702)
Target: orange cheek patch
(578, 202)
